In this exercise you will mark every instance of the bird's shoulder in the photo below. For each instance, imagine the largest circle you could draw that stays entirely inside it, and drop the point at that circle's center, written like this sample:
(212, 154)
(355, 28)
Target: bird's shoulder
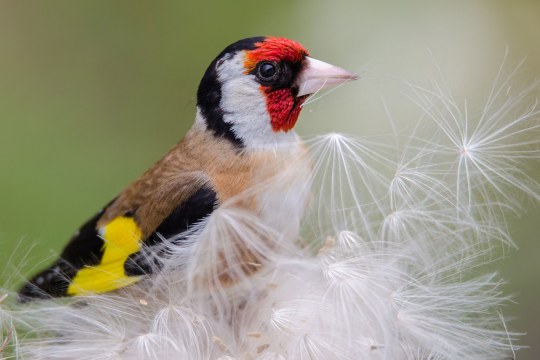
(162, 188)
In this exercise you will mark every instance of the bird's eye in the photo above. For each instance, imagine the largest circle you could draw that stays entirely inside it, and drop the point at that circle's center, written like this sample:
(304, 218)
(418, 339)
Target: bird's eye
(267, 72)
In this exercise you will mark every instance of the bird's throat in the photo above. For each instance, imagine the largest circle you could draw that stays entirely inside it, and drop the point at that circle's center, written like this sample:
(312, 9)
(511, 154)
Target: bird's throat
(283, 108)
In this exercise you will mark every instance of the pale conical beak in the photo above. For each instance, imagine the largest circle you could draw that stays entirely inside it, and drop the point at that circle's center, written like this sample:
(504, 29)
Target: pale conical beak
(317, 75)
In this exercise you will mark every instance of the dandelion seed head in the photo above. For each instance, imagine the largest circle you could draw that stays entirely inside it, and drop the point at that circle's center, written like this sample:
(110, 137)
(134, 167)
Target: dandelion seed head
(383, 264)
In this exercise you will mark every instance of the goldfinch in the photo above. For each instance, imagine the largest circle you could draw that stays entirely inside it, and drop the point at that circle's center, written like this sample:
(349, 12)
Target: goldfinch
(248, 102)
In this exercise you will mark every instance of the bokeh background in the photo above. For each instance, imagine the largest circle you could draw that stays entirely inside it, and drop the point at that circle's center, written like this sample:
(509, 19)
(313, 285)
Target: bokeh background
(93, 92)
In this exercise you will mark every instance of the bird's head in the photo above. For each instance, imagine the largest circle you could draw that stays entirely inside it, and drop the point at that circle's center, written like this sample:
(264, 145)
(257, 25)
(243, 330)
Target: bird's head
(253, 92)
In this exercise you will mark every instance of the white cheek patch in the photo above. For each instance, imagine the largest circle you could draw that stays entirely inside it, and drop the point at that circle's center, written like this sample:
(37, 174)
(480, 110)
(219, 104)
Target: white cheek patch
(230, 67)
(244, 106)
(243, 96)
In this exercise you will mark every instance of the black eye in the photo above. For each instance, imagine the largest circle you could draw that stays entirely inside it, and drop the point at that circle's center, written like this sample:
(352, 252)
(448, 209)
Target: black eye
(267, 72)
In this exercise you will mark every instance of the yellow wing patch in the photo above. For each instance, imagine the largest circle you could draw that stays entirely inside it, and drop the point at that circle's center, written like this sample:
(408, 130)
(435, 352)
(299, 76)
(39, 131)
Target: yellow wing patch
(122, 238)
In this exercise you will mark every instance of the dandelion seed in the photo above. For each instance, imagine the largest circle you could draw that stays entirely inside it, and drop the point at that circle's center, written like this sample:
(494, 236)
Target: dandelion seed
(388, 264)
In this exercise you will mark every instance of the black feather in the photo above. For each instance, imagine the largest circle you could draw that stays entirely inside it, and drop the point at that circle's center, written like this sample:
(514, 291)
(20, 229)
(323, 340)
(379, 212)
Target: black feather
(84, 248)
(201, 204)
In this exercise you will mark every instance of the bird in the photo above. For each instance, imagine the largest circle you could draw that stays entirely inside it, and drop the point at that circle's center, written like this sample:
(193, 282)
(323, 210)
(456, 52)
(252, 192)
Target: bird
(248, 102)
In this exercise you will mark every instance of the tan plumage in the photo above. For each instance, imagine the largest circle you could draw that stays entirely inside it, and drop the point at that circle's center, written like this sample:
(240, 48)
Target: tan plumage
(185, 168)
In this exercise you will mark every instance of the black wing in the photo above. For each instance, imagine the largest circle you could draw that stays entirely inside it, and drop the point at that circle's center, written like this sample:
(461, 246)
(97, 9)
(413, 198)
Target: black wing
(85, 249)
(197, 207)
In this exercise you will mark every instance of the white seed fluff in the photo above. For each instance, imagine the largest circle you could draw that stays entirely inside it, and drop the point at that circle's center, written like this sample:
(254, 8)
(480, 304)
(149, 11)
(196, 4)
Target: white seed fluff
(386, 265)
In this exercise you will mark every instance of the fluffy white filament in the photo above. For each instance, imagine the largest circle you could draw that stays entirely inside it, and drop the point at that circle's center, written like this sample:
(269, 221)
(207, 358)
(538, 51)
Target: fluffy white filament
(385, 266)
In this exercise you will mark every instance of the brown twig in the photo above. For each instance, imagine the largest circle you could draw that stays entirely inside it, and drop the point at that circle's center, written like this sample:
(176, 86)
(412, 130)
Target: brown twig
(6, 341)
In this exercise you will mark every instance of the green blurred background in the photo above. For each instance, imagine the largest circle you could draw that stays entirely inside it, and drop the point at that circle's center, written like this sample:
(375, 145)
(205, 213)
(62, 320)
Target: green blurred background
(93, 92)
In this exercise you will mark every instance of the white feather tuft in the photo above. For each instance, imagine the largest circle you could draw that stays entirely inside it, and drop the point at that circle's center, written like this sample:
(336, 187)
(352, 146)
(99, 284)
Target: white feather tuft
(386, 265)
